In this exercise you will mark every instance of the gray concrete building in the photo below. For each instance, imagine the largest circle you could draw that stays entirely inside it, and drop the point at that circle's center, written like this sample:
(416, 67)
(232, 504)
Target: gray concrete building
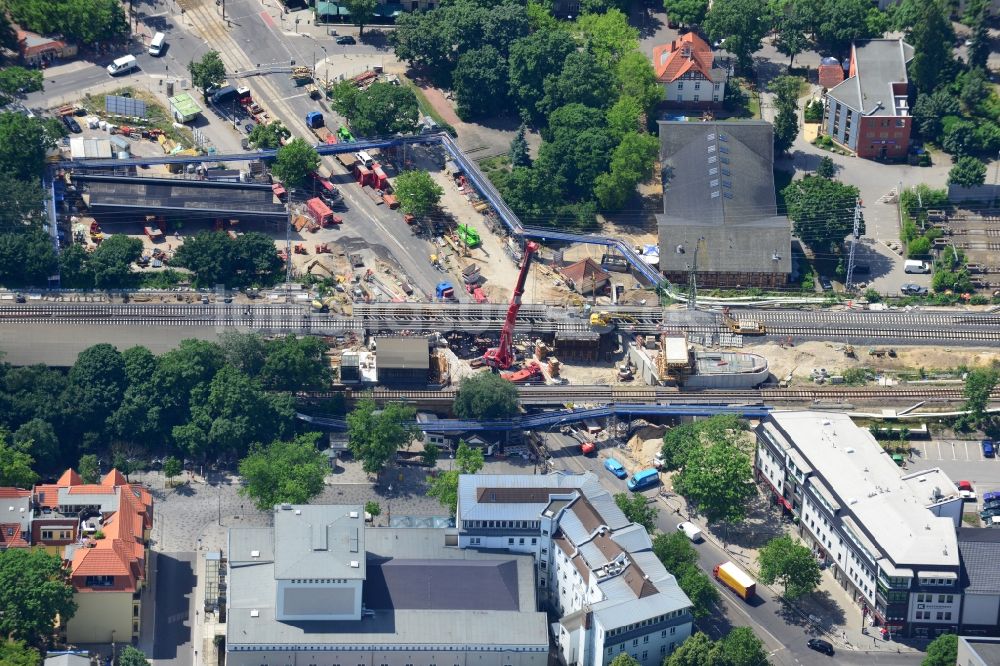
(321, 589)
(719, 204)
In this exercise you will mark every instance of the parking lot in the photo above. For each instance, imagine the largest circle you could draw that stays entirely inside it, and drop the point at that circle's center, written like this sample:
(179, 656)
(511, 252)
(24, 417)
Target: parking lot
(961, 460)
(952, 450)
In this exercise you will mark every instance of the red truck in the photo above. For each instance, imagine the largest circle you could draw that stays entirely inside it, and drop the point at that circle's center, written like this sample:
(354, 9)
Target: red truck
(321, 213)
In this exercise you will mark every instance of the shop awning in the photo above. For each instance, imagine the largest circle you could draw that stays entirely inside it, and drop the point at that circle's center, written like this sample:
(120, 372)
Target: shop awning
(389, 10)
(327, 8)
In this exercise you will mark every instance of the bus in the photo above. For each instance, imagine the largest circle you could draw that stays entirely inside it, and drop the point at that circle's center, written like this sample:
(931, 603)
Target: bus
(646, 478)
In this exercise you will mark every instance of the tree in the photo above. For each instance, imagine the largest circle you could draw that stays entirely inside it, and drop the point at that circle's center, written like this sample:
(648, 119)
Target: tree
(837, 23)
(33, 593)
(791, 20)
(699, 589)
(637, 510)
(624, 117)
(89, 469)
(26, 258)
(430, 454)
(532, 59)
(284, 472)
(480, 82)
(631, 163)
(717, 480)
(582, 80)
(686, 12)
(246, 352)
(930, 109)
(696, 650)
(208, 71)
(608, 36)
(111, 263)
(741, 647)
(979, 49)
(269, 135)
(786, 128)
(20, 203)
(742, 23)
(17, 81)
(373, 509)
(826, 168)
(38, 439)
(361, 11)
(485, 397)
(967, 172)
(637, 79)
(791, 564)
(959, 139)
(444, 488)
(294, 162)
(171, 468)
(73, 270)
(375, 436)
(97, 382)
(931, 37)
(15, 466)
(975, 90)
(214, 258)
(296, 364)
(675, 551)
(17, 653)
(624, 659)
(417, 192)
(519, 149)
(384, 109)
(131, 656)
(942, 651)
(822, 211)
(979, 386)
(24, 142)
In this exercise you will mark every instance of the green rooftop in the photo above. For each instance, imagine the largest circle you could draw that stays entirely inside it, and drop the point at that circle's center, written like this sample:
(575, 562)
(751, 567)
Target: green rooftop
(185, 104)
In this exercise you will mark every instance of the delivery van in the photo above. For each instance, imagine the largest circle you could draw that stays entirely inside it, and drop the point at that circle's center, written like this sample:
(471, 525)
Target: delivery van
(914, 266)
(641, 480)
(691, 531)
(122, 65)
(156, 46)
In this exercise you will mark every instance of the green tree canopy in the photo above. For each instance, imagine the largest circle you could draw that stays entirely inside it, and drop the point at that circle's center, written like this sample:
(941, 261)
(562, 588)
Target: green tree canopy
(89, 469)
(519, 149)
(826, 168)
(533, 59)
(930, 109)
(171, 468)
(376, 435)
(17, 81)
(967, 172)
(384, 109)
(979, 385)
(582, 80)
(624, 117)
(269, 135)
(361, 11)
(791, 564)
(284, 472)
(38, 439)
(637, 509)
(742, 23)
(417, 192)
(26, 258)
(791, 22)
(624, 659)
(740, 647)
(215, 258)
(294, 162)
(296, 364)
(485, 397)
(15, 466)
(80, 21)
(931, 37)
(822, 211)
(444, 487)
(33, 592)
(608, 36)
(637, 80)
(208, 71)
(373, 508)
(700, 589)
(20, 203)
(686, 12)
(631, 163)
(717, 479)
(18, 653)
(97, 382)
(131, 656)
(942, 651)
(24, 142)
(111, 263)
(480, 81)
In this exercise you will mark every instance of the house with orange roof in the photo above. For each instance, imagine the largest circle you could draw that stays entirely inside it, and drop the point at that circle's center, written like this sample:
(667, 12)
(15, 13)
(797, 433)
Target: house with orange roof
(104, 531)
(692, 74)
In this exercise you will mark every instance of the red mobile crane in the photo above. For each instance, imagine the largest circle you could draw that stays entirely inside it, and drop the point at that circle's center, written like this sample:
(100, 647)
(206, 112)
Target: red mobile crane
(501, 357)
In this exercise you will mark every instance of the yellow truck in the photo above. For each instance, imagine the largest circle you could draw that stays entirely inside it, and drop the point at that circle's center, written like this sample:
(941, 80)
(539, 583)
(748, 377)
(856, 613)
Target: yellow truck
(735, 579)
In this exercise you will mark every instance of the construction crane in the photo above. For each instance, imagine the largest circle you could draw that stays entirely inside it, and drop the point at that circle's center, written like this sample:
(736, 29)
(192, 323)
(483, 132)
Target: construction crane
(501, 357)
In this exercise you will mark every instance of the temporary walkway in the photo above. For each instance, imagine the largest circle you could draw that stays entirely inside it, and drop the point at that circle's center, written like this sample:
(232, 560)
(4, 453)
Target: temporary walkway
(560, 417)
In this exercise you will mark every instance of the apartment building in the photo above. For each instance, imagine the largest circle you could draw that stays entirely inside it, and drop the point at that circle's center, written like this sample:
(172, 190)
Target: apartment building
(887, 536)
(868, 112)
(595, 570)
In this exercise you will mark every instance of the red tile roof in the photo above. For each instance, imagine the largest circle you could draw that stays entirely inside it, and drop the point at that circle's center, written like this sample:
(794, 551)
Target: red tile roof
(831, 75)
(113, 478)
(47, 495)
(69, 478)
(683, 55)
(13, 493)
(584, 273)
(10, 536)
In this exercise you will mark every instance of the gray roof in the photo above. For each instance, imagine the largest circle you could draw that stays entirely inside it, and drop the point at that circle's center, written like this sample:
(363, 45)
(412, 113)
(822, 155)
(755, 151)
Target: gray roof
(412, 601)
(107, 501)
(246, 540)
(410, 353)
(322, 541)
(986, 648)
(469, 484)
(719, 186)
(980, 550)
(109, 194)
(633, 538)
(878, 63)
(67, 660)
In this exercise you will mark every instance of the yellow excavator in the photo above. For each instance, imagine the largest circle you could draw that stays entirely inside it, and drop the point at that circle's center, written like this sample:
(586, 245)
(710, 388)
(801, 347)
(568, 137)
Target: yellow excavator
(600, 319)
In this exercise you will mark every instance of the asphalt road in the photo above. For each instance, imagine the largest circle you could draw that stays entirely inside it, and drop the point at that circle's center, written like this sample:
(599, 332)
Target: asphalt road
(174, 612)
(785, 639)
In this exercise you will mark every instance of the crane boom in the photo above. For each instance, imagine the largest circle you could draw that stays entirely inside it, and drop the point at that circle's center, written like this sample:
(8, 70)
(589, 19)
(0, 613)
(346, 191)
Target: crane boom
(502, 356)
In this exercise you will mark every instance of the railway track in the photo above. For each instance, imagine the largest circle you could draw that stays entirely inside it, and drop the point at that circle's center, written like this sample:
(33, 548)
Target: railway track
(539, 395)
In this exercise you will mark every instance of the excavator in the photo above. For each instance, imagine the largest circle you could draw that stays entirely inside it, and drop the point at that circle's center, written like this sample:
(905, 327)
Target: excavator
(501, 357)
(602, 319)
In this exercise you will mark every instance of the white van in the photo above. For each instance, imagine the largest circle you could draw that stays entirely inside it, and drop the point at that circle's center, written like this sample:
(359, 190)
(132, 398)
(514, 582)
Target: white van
(123, 65)
(691, 531)
(914, 266)
(156, 46)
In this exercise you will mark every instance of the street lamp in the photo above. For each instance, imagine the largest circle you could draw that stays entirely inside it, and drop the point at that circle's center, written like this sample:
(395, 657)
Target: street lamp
(388, 502)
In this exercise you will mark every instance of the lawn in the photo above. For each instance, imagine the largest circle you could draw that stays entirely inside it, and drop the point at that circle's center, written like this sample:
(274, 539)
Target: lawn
(156, 115)
(426, 108)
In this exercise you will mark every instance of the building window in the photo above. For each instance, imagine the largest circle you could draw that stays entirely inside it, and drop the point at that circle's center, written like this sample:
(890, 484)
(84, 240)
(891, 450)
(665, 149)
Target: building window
(635, 642)
(697, 85)
(534, 541)
(717, 86)
(940, 615)
(645, 639)
(715, 98)
(680, 85)
(696, 98)
(644, 655)
(663, 649)
(510, 541)
(680, 98)
(610, 649)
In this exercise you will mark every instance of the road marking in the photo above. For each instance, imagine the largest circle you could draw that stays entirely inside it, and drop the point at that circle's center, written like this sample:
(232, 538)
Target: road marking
(294, 96)
(267, 19)
(967, 456)
(954, 452)
(939, 456)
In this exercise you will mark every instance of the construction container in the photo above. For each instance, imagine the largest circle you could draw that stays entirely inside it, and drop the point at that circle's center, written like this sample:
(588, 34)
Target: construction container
(554, 366)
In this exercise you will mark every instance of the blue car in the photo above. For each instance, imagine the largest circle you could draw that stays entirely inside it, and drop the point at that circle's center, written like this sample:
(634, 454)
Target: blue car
(615, 468)
(988, 449)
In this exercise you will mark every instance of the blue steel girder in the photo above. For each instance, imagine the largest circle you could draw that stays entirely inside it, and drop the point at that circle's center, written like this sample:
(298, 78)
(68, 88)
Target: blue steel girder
(560, 417)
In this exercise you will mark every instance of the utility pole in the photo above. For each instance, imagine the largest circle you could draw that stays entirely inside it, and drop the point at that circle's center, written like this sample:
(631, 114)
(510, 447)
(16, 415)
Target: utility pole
(288, 244)
(849, 281)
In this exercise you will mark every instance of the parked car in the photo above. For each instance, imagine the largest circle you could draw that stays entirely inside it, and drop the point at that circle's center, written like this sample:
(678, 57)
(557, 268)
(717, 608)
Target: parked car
(346, 39)
(913, 289)
(818, 644)
(988, 449)
(966, 491)
(691, 531)
(826, 284)
(615, 468)
(658, 460)
(71, 124)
